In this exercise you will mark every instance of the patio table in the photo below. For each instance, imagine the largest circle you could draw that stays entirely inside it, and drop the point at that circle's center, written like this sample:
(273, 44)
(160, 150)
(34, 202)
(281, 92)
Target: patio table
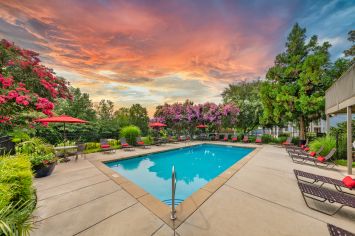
(65, 148)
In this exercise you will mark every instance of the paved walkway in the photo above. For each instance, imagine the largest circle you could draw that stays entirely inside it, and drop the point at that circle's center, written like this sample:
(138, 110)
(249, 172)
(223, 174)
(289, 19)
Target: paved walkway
(260, 199)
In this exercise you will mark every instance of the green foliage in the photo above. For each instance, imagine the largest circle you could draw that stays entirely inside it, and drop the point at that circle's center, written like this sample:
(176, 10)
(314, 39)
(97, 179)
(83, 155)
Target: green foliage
(328, 142)
(246, 97)
(296, 84)
(19, 135)
(17, 199)
(79, 107)
(15, 219)
(46, 159)
(351, 51)
(130, 132)
(34, 146)
(147, 140)
(266, 138)
(138, 116)
(344, 162)
(340, 132)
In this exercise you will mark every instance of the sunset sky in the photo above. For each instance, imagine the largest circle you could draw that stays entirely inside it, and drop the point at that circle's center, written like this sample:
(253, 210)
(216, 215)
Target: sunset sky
(151, 52)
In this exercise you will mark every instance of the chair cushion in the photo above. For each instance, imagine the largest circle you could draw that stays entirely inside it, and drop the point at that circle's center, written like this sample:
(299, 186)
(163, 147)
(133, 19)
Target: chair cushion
(225, 139)
(302, 146)
(234, 139)
(258, 141)
(105, 145)
(306, 149)
(321, 159)
(125, 145)
(285, 143)
(349, 182)
(312, 154)
(141, 143)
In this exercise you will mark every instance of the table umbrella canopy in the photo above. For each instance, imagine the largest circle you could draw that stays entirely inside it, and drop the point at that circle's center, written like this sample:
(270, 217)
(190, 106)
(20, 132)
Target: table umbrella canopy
(201, 126)
(157, 124)
(61, 119)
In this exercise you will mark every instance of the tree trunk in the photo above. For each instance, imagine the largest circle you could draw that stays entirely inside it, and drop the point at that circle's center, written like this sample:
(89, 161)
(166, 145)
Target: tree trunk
(302, 129)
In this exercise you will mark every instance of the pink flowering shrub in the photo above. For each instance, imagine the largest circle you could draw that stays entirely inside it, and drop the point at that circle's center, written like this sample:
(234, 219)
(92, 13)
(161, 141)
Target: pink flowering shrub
(26, 85)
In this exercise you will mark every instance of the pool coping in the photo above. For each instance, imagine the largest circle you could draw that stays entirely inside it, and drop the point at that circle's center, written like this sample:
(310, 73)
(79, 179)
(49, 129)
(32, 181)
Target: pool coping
(191, 203)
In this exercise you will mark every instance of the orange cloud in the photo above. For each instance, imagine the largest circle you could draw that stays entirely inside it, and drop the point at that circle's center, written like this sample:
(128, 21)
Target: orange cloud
(103, 45)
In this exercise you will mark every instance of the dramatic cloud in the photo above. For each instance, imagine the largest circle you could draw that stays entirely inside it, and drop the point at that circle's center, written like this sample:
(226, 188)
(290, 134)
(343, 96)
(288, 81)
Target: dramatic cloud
(151, 52)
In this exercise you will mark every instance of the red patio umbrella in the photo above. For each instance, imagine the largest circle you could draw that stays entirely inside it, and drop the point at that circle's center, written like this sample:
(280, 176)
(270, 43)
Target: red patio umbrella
(201, 126)
(61, 119)
(157, 124)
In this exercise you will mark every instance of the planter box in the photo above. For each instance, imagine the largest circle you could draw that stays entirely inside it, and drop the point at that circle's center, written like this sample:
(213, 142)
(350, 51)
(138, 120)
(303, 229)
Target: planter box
(43, 171)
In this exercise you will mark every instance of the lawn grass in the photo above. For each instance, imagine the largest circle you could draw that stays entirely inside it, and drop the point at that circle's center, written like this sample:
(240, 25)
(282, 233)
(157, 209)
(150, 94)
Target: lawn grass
(343, 163)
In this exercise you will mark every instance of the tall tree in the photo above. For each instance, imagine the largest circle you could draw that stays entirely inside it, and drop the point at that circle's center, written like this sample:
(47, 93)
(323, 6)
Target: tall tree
(105, 110)
(351, 51)
(80, 106)
(297, 82)
(108, 126)
(139, 117)
(122, 117)
(246, 97)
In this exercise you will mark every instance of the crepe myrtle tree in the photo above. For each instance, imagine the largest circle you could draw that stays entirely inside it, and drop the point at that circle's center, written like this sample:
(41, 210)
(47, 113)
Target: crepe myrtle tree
(186, 116)
(26, 85)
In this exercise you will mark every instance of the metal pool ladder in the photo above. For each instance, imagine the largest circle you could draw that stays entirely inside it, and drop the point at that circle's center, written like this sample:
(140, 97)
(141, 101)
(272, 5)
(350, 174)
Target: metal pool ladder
(173, 189)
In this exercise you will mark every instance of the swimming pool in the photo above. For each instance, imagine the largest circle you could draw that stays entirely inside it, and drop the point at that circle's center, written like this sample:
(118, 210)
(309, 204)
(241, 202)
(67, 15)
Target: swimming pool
(195, 166)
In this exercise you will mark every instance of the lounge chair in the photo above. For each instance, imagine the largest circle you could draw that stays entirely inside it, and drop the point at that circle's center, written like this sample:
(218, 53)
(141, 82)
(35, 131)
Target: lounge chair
(298, 151)
(323, 195)
(225, 138)
(171, 139)
(245, 139)
(234, 138)
(216, 137)
(288, 142)
(336, 231)
(125, 145)
(338, 184)
(105, 146)
(157, 141)
(140, 142)
(258, 140)
(319, 161)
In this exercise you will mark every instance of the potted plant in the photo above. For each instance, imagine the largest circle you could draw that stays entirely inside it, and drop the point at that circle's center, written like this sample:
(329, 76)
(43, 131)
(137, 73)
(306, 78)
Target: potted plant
(43, 165)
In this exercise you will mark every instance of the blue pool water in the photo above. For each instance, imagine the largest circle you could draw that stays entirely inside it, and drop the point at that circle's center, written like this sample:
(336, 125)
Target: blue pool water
(195, 166)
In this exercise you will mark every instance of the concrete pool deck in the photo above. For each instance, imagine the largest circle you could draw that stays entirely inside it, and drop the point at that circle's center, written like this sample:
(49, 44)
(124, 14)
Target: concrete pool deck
(261, 198)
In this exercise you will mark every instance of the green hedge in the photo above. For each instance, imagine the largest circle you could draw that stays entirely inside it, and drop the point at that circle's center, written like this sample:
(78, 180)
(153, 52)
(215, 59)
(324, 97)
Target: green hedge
(17, 200)
(130, 132)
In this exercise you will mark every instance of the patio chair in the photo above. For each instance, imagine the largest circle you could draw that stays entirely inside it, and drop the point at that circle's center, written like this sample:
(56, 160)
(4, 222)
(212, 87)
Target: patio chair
(125, 145)
(288, 142)
(336, 231)
(298, 151)
(258, 140)
(225, 138)
(181, 139)
(319, 161)
(323, 195)
(338, 184)
(80, 151)
(140, 143)
(234, 138)
(245, 139)
(157, 141)
(105, 146)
